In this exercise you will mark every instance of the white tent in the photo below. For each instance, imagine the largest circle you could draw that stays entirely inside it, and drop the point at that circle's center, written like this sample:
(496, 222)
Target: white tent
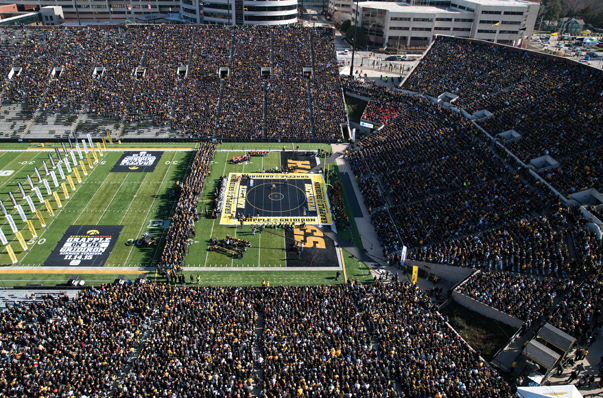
(568, 391)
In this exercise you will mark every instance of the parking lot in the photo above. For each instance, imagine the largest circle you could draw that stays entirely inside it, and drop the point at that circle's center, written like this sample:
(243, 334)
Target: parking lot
(567, 47)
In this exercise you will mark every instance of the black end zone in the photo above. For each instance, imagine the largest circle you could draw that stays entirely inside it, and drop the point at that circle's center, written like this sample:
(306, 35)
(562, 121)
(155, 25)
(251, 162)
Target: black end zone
(298, 161)
(84, 246)
(318, 251)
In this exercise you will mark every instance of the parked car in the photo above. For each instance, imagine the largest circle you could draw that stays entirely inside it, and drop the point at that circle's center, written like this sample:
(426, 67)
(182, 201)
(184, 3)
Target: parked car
(593, 54)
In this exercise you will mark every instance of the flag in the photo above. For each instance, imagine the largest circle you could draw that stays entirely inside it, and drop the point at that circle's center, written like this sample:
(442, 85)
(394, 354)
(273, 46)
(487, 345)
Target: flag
(111, 9)
(496, 24)
(149, 5)
(415, 274)
(129, 7)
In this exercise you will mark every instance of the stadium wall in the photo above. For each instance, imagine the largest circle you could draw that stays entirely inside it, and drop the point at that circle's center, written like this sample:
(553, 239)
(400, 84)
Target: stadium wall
(448, 273)
(486, 310)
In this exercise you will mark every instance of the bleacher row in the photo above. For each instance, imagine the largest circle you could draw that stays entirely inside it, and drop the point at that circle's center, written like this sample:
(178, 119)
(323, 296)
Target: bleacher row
(170, 75)
(435, 183)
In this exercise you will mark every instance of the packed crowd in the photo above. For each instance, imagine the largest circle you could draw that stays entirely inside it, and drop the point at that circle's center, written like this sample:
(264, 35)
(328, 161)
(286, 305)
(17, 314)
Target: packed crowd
(154, 93)
(439, 179)
(201, 345)
(9, 47)
(81, 48)
(34, 55)
(325, 87)
(173, 75)
(525, 297)
(578, 172)
(183, 219)
(579, 314)
(292, 52)
(531, 246)
(242, 101)
(513, 84)
(196, 107)
(63, 347)
(122, 53)
(162, 340)
(338, 208)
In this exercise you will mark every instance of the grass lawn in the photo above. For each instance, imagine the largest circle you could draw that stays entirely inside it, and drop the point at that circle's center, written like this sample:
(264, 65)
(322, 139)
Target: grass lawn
(355, 108)
(485, 335)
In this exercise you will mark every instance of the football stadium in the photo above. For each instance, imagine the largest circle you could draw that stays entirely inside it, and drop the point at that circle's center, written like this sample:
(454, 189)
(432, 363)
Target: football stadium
(209, 211)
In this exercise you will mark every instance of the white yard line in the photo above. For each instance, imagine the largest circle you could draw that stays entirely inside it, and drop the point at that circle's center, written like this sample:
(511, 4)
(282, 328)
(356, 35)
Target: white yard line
(99, 186)
(17, 171)
(111, 201)
(134, 198)
(150, 208)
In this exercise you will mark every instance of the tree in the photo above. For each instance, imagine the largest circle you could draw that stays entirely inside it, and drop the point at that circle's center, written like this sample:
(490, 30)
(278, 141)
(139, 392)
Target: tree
(360, 36)
(553, 10)
(345, 25)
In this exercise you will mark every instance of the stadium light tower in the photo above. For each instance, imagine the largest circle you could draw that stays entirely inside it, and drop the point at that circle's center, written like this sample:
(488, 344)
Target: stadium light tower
(354, 42)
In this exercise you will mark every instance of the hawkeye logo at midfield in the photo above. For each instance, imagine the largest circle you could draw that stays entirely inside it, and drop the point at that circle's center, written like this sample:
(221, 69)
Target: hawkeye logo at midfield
(93, 232)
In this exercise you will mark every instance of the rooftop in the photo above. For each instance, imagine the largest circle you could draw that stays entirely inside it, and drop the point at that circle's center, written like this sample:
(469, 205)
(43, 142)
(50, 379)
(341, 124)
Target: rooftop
(392, 6)
(403, 7)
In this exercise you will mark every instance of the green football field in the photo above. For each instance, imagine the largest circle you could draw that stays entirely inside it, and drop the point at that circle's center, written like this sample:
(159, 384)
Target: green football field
(142, 202)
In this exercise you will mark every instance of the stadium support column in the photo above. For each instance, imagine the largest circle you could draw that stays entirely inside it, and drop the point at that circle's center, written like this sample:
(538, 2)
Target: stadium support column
(354, 42)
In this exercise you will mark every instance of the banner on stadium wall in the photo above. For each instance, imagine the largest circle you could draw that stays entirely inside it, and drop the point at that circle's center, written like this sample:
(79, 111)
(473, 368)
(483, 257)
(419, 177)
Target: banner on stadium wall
(85, 246)
(415, 274)
(403, 256)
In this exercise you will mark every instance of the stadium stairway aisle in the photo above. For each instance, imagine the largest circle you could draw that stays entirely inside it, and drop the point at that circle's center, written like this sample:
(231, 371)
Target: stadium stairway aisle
(370, 240)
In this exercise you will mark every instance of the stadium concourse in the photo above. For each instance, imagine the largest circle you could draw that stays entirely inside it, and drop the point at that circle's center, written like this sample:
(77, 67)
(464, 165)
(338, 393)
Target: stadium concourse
(497, 183)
